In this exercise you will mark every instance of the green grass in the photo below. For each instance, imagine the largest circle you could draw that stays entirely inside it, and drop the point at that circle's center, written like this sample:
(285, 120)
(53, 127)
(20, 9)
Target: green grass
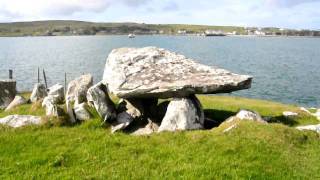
(89, 151)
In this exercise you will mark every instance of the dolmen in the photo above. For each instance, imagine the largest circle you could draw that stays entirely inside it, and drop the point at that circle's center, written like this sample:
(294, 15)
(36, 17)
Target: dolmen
(142, 76)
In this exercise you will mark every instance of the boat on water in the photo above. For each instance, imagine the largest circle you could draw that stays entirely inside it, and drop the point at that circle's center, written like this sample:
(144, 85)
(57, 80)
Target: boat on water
(131, 35)
(214, 33)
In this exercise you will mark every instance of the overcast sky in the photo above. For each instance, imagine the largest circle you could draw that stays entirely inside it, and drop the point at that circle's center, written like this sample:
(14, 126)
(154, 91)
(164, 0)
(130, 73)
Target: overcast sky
(263, 13)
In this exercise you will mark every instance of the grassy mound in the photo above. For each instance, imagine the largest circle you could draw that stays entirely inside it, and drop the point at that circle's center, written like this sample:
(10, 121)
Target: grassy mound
(88, 150)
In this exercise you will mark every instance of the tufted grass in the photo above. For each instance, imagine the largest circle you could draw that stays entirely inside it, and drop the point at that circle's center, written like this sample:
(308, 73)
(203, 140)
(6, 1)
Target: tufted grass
(89, 151)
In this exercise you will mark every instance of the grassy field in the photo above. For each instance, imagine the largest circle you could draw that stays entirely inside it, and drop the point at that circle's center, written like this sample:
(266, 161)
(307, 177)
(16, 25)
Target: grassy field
(88, 151)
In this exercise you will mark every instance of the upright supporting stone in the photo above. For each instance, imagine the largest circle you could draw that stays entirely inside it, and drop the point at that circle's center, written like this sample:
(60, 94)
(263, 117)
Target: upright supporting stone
(7, 92)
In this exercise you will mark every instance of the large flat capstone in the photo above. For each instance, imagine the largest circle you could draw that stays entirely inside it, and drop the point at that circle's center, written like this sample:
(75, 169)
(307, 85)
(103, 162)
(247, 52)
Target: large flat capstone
(154, 72)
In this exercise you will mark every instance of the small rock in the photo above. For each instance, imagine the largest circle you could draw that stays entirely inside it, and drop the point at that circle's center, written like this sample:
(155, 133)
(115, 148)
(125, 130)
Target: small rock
(57, 92)
(150, 128)
(134, 107)
(17, 101)
(81, 112)
(289, 114)
(20, 120)
(315, 128)
(183, 114)
(123, 120)
(247, 115)
(39, 92)
(98, 96)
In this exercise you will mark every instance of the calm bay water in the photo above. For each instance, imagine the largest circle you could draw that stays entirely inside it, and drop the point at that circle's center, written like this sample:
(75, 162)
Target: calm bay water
(284, 69)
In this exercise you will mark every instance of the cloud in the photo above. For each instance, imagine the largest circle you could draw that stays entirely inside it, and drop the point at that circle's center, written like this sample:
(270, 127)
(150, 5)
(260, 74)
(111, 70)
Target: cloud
(288, 3)
(47, 8)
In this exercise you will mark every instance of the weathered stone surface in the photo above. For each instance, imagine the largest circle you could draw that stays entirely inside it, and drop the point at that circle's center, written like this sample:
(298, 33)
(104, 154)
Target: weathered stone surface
(134, 107)
(150, 128)
(70, 112)
(52, 109)
(153, 72)
(315, 128)
(7, 92)
(20, 120)
(39, 92)
(57, 93)
(77, 89)
(183, 114)
(247, 115)
(289, 114)
(81, 112)
(17, 101)
(98, 96)
(123, 120)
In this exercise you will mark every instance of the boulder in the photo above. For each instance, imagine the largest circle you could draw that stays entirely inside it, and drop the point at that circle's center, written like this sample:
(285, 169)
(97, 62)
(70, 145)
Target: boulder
(152, 72)
(315, 128)
(98, 96)
(77, 89)
(52, 109)
(57, 93)
(81, 112)
(183, 114)
(7, 92)
(20, 120)
(247, 115)
(123, 121)
(39, 92)
(17, 101)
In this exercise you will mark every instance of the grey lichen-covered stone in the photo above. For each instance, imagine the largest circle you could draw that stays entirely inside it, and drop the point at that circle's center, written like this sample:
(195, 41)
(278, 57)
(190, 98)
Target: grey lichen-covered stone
(17, 101)
(39, 92)
(57, 93)
(77, 89)
(81, 112)
(247, 115)
(154, 72)
(20, 120)
(183, 114)
(123, 121)
(98, 96)
(150, 128)
(52, 109)
(7, 92)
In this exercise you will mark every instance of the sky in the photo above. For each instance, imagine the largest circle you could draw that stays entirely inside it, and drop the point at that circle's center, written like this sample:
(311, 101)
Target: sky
(297, 14)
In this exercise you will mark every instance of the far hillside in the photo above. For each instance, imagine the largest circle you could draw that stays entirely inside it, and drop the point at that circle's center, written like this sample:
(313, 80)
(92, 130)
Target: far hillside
(68, 28)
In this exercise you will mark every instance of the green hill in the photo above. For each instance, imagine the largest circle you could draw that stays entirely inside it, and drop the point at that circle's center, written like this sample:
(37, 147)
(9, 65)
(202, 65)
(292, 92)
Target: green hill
(88, 151)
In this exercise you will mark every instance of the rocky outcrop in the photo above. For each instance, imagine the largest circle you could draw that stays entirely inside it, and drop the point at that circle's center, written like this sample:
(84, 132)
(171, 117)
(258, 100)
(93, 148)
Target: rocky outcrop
(39, 92)
(77, 89)
(154, 72)
(98, 96)
(81, 112)
(20, 120)
(7, 92)
(57, 93)
(17, 101)
(183, 114)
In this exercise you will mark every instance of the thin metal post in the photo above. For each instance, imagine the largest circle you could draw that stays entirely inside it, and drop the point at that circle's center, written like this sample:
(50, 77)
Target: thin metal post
(10, 74)
(45, 78)
(38, 75)
(65, 83)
